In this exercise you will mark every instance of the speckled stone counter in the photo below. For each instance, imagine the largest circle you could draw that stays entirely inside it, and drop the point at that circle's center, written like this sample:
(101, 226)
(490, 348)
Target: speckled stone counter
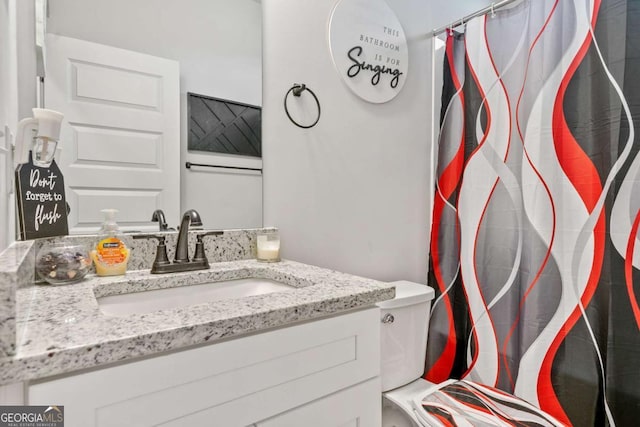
(17, 264)
(16, 270)
(61, 329)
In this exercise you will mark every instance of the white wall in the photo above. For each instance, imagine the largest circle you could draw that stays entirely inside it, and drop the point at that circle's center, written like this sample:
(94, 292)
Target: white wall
(5, 37)
(218, 45)
(445, 12)
(26, 57)
(353, 193)
(9, 105)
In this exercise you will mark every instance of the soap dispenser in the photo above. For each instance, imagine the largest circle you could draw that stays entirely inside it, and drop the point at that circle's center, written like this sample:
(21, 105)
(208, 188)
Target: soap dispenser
(110, 254)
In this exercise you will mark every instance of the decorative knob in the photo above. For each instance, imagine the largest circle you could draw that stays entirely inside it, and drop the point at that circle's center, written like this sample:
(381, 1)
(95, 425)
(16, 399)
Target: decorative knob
(388, 318)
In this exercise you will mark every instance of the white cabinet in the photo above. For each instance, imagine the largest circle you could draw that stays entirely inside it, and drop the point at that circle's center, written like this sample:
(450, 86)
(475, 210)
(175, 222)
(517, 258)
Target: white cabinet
(357, 406)
(236, 382)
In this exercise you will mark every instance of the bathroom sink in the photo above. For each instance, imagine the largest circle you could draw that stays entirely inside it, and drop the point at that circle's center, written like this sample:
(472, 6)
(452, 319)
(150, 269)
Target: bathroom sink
(184, 296)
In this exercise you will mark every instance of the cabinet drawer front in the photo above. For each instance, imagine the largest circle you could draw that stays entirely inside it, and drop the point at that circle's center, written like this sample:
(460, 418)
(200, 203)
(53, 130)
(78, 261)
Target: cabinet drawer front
(234, 383)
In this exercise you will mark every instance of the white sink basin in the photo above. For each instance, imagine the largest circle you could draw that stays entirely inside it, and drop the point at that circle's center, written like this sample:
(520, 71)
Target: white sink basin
(183, 296)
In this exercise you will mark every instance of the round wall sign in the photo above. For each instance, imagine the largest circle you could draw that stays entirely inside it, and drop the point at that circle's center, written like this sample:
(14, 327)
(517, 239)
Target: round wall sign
(369, 48)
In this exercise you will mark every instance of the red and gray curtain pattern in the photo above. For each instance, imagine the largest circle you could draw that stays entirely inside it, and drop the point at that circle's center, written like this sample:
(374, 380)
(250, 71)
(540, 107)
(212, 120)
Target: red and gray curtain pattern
(462, 403)
(535, 253)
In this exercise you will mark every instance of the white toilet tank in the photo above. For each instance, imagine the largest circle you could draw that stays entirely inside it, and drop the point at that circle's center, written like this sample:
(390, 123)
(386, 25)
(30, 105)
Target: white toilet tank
(404, 329)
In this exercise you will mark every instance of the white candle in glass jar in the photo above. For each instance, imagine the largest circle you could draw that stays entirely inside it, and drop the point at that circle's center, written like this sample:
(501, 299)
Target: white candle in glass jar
(268, 246)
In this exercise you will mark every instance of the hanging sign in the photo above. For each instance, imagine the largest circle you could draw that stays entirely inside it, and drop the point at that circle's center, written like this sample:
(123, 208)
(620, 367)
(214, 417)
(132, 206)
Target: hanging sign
(42, 209)
(369, 48)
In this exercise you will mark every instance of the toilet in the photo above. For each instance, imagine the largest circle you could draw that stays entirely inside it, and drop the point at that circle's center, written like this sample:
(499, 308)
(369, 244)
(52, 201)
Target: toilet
(409, 400)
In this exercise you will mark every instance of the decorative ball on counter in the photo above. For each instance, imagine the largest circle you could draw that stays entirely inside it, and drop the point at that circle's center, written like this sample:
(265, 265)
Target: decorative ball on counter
(62, 263)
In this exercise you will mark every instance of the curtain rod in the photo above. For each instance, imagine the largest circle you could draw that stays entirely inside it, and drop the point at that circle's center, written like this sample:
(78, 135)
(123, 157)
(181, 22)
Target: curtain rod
(489, 9)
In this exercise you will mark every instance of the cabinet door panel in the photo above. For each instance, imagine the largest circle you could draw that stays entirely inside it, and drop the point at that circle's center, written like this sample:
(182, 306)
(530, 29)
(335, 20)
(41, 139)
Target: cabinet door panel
(357, 406)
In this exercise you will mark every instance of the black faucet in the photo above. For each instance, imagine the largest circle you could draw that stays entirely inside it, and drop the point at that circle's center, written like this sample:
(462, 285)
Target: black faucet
(190, 218)
(181, 262)
(158, 216)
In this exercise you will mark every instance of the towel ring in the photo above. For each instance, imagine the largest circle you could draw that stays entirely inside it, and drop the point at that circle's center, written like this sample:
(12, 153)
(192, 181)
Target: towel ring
(297, 90)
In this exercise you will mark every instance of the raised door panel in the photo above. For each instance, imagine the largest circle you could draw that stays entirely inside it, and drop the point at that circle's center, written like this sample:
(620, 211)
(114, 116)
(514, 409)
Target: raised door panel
(235, 383)
(120, 136)
(105, 146)
(357, 406)
(105, 84)
(132, 204)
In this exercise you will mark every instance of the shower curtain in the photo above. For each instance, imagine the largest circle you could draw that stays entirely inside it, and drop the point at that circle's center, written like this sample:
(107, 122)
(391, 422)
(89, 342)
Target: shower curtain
(535, 254)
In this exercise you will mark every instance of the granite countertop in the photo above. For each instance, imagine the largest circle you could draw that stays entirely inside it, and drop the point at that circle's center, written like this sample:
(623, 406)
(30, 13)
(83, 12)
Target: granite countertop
(61, 329)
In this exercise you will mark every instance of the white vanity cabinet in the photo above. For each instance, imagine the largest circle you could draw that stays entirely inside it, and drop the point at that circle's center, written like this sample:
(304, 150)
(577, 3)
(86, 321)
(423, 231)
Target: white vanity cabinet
(320, 373)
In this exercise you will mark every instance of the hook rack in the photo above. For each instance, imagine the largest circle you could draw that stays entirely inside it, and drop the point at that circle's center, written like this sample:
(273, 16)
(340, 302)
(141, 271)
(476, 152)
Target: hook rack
(297, 90)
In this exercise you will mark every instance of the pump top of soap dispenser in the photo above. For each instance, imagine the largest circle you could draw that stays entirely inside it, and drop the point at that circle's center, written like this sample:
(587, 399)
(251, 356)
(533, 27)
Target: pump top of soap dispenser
(109, 226)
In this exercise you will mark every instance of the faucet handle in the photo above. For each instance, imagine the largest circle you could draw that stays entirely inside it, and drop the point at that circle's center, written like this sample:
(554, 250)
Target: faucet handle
(158, 236)
(211, 233)
(200, 254)
(161, 251)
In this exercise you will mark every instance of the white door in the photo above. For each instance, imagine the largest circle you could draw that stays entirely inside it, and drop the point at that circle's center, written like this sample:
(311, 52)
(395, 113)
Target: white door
(121, 133)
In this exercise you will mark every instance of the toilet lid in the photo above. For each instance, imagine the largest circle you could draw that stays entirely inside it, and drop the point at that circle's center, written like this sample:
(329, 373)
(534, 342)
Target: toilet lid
(465, 403)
